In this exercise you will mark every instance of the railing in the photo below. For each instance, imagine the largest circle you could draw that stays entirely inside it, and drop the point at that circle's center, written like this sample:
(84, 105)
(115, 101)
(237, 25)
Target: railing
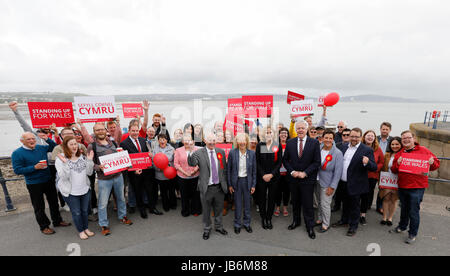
(433, 118)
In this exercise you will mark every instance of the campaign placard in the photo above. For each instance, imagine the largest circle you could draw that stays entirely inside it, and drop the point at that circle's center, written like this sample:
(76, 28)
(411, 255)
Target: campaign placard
(415, 163)
(95, 109)
(302, 108)
(44, 114)
(321, 100)
(226, 147)
(140, 161)
(131, 110)
(257, 106)
(388, 181)
(235, 123)
(235, 106)
(116, 162)
(292, 96)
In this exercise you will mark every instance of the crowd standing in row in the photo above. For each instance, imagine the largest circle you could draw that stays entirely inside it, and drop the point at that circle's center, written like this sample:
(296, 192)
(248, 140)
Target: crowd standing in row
(305, 165)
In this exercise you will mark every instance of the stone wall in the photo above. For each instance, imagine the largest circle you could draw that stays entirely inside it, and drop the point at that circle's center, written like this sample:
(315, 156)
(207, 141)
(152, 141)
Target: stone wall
(438, 141)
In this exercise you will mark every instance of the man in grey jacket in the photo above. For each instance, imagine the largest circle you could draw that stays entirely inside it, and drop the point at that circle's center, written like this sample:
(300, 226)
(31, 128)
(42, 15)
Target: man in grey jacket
(212, 182)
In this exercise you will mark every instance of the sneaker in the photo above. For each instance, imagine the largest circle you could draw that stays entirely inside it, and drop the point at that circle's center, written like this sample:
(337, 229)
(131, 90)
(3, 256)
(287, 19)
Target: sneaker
(410, 240)
(276, 213)
(106, 231)
(363, 221)
(126, 221)
(397, 230)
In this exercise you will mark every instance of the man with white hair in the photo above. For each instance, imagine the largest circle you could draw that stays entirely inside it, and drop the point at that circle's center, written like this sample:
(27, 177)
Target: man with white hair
(31, 161)
(341, 126)
(212, 182)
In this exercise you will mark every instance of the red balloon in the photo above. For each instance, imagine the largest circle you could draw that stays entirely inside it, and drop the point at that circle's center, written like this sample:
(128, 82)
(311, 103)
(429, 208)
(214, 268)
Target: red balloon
(170, 172)
(161, 161)
(331, 99)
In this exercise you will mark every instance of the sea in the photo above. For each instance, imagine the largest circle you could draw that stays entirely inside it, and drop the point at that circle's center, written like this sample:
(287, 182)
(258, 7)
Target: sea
(366, 115)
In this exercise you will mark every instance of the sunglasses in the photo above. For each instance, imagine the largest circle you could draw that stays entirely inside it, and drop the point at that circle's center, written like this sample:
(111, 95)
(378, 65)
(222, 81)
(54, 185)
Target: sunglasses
(340, 127)
(346, 135)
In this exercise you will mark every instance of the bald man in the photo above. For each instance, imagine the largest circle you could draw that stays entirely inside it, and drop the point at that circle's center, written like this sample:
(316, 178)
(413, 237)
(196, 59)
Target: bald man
(31, 161)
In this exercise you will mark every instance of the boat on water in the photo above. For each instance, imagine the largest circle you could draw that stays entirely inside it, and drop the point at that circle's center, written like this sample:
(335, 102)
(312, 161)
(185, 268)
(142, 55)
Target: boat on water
(364, 111)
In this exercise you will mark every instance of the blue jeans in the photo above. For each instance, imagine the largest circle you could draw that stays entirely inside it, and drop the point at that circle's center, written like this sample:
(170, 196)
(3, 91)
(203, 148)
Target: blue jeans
(104, 192)
(79, 207)
(410, 200)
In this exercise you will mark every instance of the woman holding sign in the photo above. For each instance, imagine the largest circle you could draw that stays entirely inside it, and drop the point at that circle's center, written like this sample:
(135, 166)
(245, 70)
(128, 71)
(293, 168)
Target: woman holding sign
(389, 195)
(412, 182)
(268, 159)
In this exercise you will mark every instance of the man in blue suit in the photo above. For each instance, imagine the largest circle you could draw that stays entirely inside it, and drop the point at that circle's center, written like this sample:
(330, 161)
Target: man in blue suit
(358, 160)
(241, 171)
(302, 161)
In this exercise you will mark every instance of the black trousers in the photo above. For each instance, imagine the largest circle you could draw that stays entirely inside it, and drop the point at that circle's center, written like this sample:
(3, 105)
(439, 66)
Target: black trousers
(266, 198)
(339, 196)
(140, 185)
(190, 197)
(37, 192)
(302, 197)
(367, 199)
(283, 192)
(352, 209)
(168, 197)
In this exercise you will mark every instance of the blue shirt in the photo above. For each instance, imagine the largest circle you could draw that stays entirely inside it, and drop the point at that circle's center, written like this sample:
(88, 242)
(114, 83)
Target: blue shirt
(24, 160)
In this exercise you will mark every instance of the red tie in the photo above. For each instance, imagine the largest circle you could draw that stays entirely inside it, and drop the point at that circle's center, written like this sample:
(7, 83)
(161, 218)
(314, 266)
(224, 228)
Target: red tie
(300, 150)
(138, 146)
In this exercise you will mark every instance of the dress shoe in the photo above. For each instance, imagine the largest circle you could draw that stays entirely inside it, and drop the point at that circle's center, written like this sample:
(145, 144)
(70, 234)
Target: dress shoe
(351, 232)
(339, 224)
(206, 235)
(263, 224)
(269, 224)
(311, 234)
(248, 229)
(237, 230)
(132, 210)
(293, 226)
(222, 231)
(156, 212)
(143, 213)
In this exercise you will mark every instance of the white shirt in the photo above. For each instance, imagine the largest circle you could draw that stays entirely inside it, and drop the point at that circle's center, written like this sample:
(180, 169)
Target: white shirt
(78, 177)
(348, 156)
(242, 164)
(217, 164)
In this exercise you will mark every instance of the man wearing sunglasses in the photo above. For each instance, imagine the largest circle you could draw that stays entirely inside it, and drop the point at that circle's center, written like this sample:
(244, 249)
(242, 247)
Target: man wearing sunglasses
(341, 126)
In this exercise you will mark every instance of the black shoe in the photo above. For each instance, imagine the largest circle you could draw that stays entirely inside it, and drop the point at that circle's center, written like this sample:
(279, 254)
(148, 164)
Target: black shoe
(389, 223)
(156, 212)
(311, 234)
(222, 231)
(143, 213)
(248, 229)
(132, 210)
(269, 224)
(206, 235)
(263, 224)
(351, 233)
(339, 224)
(293, 226)
(363, 220)
(237, 230)
(383, 222)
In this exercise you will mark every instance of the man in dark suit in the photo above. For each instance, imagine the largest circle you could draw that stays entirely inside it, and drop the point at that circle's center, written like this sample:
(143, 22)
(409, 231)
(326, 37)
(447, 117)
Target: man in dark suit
(241, 171)
(302, 161)
(212, 183)
(140, 179)
(358, 160)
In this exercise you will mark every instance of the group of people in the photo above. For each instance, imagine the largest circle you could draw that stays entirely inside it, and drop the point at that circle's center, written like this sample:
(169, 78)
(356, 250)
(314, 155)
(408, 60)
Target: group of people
(306, 165)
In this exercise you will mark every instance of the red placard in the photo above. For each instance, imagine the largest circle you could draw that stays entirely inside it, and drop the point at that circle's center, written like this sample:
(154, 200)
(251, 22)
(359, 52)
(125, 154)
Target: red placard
(415, 163)
(257, 106)
(292, 96)
(131, 110)
(235, 106)
(140, 161)
(44, 114)
(235, 123)
(226, 147)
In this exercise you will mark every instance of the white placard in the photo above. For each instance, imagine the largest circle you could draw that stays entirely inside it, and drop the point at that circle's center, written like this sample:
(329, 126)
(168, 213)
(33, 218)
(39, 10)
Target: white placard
(388, 180)
(95, 109)
(302, 108)
(116, 162)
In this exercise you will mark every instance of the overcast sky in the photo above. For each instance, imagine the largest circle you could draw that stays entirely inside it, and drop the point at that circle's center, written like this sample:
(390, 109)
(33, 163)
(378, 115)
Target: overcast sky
(397, 48)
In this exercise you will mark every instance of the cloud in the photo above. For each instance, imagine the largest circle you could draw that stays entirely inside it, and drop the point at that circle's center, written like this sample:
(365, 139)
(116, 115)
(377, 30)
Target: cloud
(384, 47)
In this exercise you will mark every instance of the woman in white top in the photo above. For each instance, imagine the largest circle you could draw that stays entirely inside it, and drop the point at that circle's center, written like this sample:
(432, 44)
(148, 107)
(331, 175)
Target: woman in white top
(390, 196)
(73, 183)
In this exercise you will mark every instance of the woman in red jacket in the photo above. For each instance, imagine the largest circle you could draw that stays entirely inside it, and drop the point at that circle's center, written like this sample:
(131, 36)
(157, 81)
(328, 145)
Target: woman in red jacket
(370, 139)
(411, 187)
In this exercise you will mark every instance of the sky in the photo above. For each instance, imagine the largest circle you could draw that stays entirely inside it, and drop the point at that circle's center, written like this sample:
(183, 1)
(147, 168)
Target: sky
(392, 48)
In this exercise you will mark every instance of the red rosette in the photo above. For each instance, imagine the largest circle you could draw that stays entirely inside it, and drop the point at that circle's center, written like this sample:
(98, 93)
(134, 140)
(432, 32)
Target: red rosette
(329, 158)
(275, 150)
(220, 156)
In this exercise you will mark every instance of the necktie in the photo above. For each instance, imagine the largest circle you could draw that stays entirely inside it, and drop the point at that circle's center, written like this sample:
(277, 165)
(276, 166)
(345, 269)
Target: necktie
(138, 146)
(300, 150)
(215, 174)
